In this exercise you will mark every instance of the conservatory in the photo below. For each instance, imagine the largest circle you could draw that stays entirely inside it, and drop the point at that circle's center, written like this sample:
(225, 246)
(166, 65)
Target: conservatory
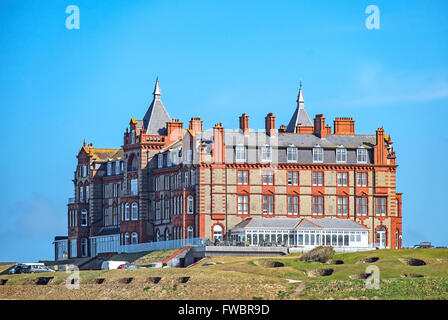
(304, 232)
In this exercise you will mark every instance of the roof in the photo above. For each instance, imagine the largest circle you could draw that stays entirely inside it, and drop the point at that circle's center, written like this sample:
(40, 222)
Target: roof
(156, 117)
(300, 223)
(107, 231)
(233, 138)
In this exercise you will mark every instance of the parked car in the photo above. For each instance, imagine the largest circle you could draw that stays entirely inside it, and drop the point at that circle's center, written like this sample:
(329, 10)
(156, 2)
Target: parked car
(129, 266)
(35, 268)
(18, 268)
(423, 245)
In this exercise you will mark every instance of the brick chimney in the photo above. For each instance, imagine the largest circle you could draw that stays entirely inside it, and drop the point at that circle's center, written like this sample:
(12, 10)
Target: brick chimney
(195, 125)
(319, 126)
(218, 152)
(270, 124)
(345, 126)
(282, 129)
(379, 150)
(174, 130)
(244, 124)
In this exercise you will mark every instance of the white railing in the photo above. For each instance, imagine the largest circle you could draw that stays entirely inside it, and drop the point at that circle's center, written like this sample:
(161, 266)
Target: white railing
(162, 245)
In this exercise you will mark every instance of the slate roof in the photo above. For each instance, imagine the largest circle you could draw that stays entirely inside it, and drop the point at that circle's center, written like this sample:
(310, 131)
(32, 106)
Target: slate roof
(156, 117)
(300, 223)
(104, 154)
(300, 116)
(107, 231)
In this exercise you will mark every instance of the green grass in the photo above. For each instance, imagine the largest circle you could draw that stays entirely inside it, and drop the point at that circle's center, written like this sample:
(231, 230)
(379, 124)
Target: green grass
(241, 278)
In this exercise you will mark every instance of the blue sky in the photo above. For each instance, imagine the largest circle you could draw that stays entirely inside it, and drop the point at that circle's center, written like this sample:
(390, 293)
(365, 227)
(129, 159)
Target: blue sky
(214, 59)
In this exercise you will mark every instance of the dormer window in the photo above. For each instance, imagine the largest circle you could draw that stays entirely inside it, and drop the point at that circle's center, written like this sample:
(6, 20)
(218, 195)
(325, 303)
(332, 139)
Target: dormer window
(240, 154)
(160, 160)
(318, 154)
(362, 155)
(168, 159)
(341, 154)
(266, 153)
(109, 168)
(292, 153)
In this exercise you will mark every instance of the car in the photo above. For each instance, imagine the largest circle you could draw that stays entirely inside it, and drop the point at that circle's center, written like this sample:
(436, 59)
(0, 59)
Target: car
(423, 245)
(16, 269)
(33, 268)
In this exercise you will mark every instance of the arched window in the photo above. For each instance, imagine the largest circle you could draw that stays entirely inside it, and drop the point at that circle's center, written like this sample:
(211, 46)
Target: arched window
(158, 235)
(134, 211)
(167, 234)
(397, 239)
(381, 237)
(134, 238)
(132, 163)
(190, 232)
(190, 204)
(217, 232)
(126, 212)
(126, 238)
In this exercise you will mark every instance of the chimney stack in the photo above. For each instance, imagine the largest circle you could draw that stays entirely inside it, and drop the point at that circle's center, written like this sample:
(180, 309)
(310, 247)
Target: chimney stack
(270, 124)
(218, 151)
(244, 124)
(195, 125)
(345, 126)
(319, 126)
(380, 151)
(174, 130)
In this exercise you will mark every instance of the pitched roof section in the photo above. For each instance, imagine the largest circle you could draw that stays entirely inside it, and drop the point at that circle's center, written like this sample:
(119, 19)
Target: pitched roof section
(156, 117)
(102, 154)
(300, 116)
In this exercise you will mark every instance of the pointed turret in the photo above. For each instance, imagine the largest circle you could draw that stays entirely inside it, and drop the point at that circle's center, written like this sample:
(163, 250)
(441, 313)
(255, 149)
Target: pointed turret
(300, 116)
(156, 117)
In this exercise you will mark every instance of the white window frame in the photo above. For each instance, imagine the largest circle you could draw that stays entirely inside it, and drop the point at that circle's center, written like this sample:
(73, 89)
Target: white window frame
(160, 160)
(134, 211)
(243, 177)
(243, 204)
(318, 154)
(127, 209)
(295, 205)
(266, 154)
(84, 218)
(190, 205)
(134, 238)
(361, 155)
(240, 153)
(109, 168)
(341, 154)
(342, 179)
(134, 187)
(269, 177)
(292, 154)
(293, 177)
(84, 247)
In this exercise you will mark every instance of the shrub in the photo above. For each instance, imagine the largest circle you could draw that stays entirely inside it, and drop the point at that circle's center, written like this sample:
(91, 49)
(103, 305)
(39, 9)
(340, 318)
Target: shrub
(318, 254)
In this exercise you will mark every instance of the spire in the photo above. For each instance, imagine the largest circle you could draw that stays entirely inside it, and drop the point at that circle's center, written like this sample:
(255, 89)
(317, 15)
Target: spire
(157, 91)
(156, 117)
(300, 116)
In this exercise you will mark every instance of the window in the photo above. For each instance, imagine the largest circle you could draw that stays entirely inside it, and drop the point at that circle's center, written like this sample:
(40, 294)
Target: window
(341, 155)
(73, 247)
(243, 177)
(268, 204)
(293, 206)
(361, 179)
(84, 171)
(266, 153)
(132, 136)
(84, 247)
(157, 184)
(342, 179)
(342, 206)
(134, 211)
(243, 204)
(240, 153)
(126, 238)
(87, 193)
(190, 232)
(292, 154)
(190, 204)
(362, 155)
(318, 204)
(380, 206)
(268, 178)
(109, 168)
(361, 206)
(134, 238)
(217, 233)
(160, 160)
(115, 216)
(117, 167)
(126, 212)
(192, 177)
(168, 159)
(293, 178)
(134, 187)
(318, 154)
(81, 194)
(318, 178)
(186, 178)
(84, 217)
(381, 237)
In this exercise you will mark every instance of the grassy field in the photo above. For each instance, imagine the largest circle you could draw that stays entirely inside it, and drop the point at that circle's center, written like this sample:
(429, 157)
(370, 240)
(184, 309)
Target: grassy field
(244, 278)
